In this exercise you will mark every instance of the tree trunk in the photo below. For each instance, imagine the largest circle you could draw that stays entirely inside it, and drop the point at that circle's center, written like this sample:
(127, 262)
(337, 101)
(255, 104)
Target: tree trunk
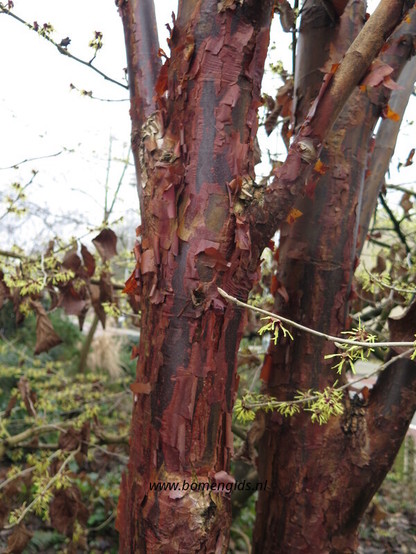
(195, 152)
(323, 477)
(204, 225)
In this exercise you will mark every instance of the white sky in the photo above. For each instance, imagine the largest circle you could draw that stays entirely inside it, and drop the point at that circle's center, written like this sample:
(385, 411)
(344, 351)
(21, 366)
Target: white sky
(40, 115)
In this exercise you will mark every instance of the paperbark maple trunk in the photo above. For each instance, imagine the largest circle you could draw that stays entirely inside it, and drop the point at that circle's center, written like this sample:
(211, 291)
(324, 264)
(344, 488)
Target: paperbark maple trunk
(194, 153)
(323, 477)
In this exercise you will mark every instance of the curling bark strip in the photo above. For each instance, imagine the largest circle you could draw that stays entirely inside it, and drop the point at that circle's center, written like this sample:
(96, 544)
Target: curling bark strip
(197, 142)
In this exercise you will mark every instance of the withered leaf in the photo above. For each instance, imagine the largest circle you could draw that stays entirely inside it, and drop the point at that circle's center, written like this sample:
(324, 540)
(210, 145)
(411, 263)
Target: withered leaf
(18, 540)
(406, 203)
(89, 261)
(72, 261)
(96, 303)
(380, 265)
(71, 438)
(28, 396)
(66, 508)
(70, 301)
(46, 337)
(106, 244)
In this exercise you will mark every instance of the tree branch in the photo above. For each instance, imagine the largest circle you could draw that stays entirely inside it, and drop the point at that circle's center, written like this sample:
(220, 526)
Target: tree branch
(395, 223)
(142, 47)
(266, 215)
(61, 49)
(339, 340)
(384, 147)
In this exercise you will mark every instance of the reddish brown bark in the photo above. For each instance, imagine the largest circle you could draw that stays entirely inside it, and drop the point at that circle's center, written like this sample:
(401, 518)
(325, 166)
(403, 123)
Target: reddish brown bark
(193, 152)
(204, 224)
(384, 147)
(304, 151)
(322, 477)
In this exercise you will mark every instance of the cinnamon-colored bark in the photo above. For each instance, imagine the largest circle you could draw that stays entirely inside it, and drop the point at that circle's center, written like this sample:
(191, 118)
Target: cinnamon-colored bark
(204, 224)
(194, 153)
(322, 477)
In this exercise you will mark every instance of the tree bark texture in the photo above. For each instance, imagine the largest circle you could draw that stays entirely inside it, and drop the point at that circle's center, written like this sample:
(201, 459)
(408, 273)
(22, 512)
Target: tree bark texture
(194, 152)
(323, 477)
(204, 225)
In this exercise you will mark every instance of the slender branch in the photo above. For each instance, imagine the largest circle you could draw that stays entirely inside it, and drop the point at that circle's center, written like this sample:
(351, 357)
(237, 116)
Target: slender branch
(87, 345)
(34, 432)
(26, 160)
(45, 489)
(120, 182)
(61, 49)
(331, 338)
(27, 470)
(395, 223)
(399, 187)
(387, 286)
(142, 46)
(312, 398)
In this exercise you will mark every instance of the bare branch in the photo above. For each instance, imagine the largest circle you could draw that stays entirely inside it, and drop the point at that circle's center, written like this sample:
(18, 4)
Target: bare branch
(339, 340)
(26, 160)
(62, 50)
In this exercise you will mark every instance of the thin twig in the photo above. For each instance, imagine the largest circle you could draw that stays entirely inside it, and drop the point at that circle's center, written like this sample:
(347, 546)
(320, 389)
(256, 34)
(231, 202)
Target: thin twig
(307, 399)
(27, 470)
(27, 160)
(395, 223)
(331, 338)
(61, 49)
(46, 488)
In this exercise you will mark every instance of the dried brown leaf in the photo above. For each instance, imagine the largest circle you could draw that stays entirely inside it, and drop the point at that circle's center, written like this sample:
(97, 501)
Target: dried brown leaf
(406, 203)
(66, 508)
(89, 261)
(18, 540)
(106, 244)
(28, 396)
(46, 337)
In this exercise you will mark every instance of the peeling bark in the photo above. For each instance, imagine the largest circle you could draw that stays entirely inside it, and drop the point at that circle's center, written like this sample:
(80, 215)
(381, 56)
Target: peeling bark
(204, 225)
(304, 151)
(385, 143)
(195, 154)
(323, 477)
